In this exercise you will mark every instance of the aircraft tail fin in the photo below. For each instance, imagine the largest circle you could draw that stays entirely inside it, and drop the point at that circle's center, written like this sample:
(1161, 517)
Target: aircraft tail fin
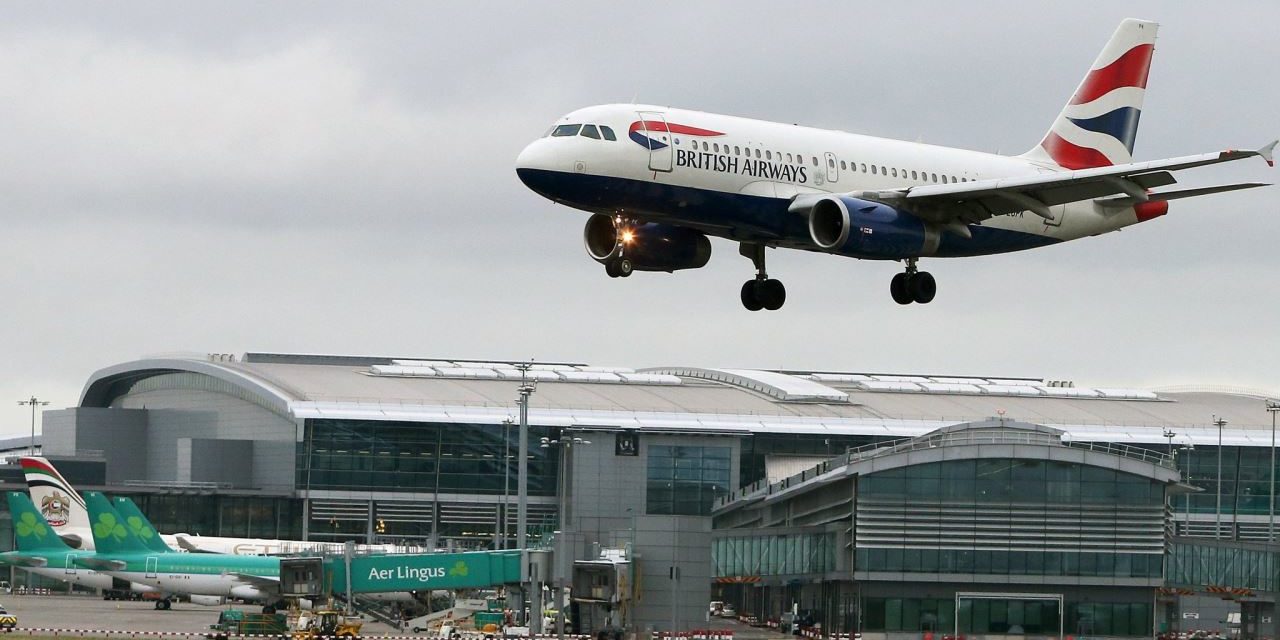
(57, 500)
(111, 531)
(138, 523)
(31, 531)
(1098, 126)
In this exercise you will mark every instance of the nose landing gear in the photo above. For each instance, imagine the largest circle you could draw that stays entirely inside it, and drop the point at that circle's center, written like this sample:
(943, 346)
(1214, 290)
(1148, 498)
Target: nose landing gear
(913, 286)
(763, 292)
(618, 268)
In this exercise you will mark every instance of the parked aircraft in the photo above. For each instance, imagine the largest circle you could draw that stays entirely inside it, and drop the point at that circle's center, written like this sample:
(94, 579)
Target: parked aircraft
(42, 552)
(66, 513)
(122, 552)
(658, 181)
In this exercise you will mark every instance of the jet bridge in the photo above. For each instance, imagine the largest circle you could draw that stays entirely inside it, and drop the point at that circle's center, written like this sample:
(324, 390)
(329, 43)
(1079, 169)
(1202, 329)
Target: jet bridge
(399, 572)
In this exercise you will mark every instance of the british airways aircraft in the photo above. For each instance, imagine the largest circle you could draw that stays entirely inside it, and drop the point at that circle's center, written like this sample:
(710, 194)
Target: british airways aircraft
(659, 180)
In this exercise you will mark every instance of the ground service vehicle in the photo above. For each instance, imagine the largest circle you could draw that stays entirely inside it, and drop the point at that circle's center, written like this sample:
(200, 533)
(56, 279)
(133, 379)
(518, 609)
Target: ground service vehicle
(327, 623)
(234, 622)
(7, 620)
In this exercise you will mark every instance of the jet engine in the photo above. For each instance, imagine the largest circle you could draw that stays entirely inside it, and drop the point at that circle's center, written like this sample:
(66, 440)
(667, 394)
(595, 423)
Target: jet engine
(207, 601)
(644, 246)
(865, 229)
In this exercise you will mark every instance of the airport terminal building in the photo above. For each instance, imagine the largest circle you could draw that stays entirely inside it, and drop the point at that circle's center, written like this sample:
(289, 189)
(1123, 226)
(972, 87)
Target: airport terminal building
(713, 471)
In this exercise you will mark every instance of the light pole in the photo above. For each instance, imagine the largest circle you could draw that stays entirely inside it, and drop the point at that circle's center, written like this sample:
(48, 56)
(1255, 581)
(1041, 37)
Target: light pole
(506, 481)
(34, 402)
(522, 477)
(1190, 449)
(1217, 520)
(565, 444)
(1273, 407)
(1169, 434)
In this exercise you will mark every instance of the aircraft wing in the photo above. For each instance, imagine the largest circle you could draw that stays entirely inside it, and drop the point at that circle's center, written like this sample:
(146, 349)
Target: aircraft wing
(970, 202)
(265, 583)
(100, 564)
(187, 545)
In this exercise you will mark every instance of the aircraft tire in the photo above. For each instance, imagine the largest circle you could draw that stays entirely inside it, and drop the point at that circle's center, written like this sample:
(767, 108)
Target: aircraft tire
(611, 268)
(923, 287)
(751, 296)
(772, 294)
(899, 290)
(625, 267)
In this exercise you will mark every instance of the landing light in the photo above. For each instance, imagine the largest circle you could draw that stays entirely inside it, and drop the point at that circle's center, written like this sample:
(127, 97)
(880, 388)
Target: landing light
(628, 236)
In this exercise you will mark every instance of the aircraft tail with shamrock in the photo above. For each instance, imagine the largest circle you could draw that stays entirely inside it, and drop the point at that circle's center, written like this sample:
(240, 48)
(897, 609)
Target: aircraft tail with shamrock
(111, 532)
(34, 537)
(138, 524)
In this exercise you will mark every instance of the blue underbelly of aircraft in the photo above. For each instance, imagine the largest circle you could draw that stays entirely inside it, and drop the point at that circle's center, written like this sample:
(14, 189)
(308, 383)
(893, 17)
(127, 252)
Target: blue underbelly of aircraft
(751, 218)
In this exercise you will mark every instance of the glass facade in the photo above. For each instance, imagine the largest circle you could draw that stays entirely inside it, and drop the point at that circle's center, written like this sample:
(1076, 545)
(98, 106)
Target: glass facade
(1223, 565)
(1006, 616)
(1246, 481)
(1010, 517)
(421, 457)
(759, 446)
(776, 555)
(685, 481)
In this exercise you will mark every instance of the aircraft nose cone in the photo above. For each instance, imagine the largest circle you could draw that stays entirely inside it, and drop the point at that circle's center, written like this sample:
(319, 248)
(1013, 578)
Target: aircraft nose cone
(533, 163)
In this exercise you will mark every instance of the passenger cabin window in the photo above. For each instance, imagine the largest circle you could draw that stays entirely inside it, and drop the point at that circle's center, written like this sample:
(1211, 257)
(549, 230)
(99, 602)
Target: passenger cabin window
(768, 155)
(873, 170)
(895, 173)
(864, 167)
(815, 161)
(935, 177)
(831, 163)
(737, 151)
(789, 158)
(842, 165)
(608, 133)
(913, 175)
(757, 153)
(590, 131)
(566, 130)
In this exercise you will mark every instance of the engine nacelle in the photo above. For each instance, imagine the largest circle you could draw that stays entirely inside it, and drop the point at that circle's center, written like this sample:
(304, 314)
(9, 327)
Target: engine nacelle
(247, 592)
(865, 229)
(207, 601)
(650, 246)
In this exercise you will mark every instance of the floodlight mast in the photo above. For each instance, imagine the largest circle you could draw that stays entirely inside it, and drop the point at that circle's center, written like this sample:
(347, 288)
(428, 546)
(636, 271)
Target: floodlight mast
(34, 402)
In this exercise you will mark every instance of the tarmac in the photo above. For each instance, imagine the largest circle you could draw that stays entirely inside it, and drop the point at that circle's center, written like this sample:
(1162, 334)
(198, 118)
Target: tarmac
(92, 613)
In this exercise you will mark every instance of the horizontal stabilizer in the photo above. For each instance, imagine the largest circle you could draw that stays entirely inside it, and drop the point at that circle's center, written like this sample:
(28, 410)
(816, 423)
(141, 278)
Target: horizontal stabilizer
(20, 560)
(102, 565)
(1129, 201)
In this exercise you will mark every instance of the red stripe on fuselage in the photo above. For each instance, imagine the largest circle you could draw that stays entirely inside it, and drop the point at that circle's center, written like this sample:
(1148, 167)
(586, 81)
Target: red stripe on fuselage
(1072, 156)
(645, 125)
(1129, 70)
(1151, 209)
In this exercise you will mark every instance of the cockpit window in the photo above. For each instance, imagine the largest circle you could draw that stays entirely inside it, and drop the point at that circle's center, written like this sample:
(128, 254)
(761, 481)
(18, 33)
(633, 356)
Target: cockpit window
(590, 131)
(566, 130)
(608, 133)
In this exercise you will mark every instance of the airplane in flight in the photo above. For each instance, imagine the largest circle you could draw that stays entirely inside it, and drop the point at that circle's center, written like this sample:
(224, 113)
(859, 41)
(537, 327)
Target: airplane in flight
(658, 181)
(65, 511)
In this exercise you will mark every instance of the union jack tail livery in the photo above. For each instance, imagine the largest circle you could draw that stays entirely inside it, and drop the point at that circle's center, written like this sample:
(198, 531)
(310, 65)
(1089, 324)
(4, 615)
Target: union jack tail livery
(1098, 126)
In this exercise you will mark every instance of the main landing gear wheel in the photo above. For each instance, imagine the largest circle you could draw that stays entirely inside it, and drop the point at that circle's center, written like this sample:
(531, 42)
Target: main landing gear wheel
(913, 286)
(763, 292)
(163, 605)
(619, 268)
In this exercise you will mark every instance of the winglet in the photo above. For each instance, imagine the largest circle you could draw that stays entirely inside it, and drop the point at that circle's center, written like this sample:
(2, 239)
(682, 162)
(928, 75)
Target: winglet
(1267, 152)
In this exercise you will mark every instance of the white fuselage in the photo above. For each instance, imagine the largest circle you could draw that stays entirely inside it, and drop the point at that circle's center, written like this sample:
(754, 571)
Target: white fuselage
(751, 162)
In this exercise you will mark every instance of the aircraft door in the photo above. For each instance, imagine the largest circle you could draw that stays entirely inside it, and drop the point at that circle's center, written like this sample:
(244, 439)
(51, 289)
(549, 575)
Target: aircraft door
(153, 565)
(71, 565)
(833, 172)
(651, 131)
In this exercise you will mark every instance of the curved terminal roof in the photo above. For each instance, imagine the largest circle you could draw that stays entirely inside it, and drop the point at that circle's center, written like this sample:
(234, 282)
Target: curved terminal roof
(695, 399)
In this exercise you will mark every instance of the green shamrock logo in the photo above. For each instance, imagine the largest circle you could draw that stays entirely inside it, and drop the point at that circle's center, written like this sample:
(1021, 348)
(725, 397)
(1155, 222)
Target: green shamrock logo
(139, 528)
(107, 527)
(459, 569)
(28, 526)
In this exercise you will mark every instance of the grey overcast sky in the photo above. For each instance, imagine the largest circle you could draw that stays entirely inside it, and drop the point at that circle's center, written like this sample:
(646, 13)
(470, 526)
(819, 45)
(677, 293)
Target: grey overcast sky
(337, 177)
